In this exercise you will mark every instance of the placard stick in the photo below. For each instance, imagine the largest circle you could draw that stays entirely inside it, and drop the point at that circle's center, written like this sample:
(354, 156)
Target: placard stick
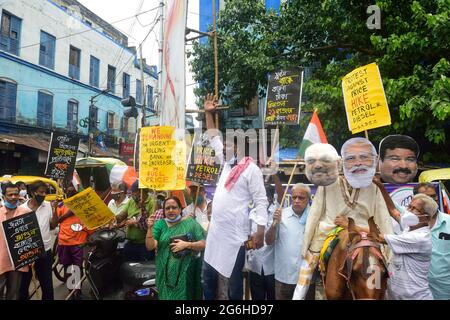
(275, 138)
(195, 200)
(285, 191)
(367, 134)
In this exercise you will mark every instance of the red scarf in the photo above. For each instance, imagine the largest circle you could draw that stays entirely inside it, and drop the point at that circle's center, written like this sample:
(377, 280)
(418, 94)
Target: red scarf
(236, 172)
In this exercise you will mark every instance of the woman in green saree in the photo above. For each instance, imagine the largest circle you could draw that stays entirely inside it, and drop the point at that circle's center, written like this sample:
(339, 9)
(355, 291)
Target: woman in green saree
(178, 267)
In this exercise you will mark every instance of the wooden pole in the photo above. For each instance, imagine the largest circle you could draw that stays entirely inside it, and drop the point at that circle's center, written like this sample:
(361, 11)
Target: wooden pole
(274, 144)
(216, 60)
(367, 134)
(287, 188)
(142, 87)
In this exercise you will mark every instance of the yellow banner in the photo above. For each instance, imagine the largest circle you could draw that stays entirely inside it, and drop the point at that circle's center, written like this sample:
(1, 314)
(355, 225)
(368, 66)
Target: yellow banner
(157, 167)
(91, 210)
(365, 101)
(180, 161)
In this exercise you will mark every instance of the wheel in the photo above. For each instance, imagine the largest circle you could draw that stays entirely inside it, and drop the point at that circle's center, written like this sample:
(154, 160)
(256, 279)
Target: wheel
(58, 269)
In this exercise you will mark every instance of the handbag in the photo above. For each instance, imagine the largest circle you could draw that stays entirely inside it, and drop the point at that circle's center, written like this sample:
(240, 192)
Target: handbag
(184, 237)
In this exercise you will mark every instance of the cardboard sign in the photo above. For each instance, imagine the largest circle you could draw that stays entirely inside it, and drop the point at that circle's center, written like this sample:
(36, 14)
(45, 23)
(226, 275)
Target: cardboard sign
(202, 167)
(24, 239)
(126, 149)
(365, 101)
(157, 167)
(62, 155)
(90, 208)
(284, 94)
(180, 162)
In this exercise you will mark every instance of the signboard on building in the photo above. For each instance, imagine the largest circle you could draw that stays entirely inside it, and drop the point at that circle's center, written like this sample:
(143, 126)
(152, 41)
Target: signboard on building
(126, 149)
(284, 93)
(62, 155)
(24, 239)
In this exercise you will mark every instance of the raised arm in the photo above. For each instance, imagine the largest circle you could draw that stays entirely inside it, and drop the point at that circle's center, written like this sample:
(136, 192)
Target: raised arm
(393, 211)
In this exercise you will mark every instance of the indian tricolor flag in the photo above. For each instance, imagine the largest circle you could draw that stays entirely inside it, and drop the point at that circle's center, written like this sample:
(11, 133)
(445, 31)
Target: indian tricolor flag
(314, 134)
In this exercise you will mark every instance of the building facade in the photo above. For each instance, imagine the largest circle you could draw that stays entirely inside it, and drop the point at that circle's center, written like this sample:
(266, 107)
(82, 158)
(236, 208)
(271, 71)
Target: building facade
(62, 68)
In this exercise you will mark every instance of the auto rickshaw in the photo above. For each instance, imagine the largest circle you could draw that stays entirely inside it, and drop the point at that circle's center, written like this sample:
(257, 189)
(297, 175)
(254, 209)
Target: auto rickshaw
(55, 192)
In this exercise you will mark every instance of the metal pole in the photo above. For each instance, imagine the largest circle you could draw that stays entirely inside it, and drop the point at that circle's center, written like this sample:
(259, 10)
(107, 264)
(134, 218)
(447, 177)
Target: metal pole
(216, 60)
(91, 107)
(142, 87)
(161, 60)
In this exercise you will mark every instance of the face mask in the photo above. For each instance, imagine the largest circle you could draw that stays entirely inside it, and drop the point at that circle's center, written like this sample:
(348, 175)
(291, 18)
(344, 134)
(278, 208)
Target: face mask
(137, 199)
(360, 180)
(200, 200)
(11, 206)
(178, 218)
(39, 198)
(115, 196)
(408, 219)
(23, 193)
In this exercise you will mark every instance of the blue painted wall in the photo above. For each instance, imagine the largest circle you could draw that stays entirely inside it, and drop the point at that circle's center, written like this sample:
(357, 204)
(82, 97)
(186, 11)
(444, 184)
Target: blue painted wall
(31, 78)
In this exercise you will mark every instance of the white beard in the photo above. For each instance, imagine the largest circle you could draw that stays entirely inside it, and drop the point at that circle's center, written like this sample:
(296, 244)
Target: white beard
(360, 180)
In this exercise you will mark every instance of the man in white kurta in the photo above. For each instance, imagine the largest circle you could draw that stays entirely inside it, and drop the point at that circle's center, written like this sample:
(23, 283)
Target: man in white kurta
(230, 224)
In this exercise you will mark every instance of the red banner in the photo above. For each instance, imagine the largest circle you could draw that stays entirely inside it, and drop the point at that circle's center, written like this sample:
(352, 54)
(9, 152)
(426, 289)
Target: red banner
(126, 149)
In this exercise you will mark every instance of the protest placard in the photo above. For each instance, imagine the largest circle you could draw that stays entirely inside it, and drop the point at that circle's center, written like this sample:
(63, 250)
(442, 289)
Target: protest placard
(202, 167)
(364, 98)
(90, 208)
(62, 155)
(284, 92)
(24, 239)
(157, 167)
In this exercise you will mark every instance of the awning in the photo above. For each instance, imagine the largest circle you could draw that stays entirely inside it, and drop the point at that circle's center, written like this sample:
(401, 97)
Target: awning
(32, 141)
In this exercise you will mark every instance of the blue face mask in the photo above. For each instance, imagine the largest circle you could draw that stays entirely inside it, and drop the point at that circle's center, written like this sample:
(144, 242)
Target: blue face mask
(11, 206)
(178, 218)
(200, 200)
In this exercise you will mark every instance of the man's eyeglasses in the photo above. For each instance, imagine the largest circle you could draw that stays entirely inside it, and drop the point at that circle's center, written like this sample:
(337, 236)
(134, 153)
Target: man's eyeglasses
(171, 208)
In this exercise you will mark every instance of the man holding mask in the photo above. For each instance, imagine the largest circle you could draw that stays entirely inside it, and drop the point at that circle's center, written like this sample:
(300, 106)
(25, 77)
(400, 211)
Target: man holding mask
(119, 198)
(200, 214)
(48, 220)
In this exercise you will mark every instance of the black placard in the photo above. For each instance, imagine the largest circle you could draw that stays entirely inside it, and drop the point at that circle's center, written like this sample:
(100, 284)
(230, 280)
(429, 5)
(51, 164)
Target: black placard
(202, 166)
(62, 155)
(284, 92)
(24, 239)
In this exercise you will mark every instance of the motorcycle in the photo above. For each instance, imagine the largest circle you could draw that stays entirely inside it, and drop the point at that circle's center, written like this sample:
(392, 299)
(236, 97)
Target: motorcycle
(110, 277)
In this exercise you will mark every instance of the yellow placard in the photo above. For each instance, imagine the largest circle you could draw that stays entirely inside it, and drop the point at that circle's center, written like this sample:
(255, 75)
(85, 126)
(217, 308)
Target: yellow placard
(365, 101)
(91, 210)
(180, 161)
(157, 167)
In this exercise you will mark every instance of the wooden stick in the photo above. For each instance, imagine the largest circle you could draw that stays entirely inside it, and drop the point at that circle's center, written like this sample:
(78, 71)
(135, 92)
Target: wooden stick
(275, 138)
(367, 134)
(195, 200)
(285, 191)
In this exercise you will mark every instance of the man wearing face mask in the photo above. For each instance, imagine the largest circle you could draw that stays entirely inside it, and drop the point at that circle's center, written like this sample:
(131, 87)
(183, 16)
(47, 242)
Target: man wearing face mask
(9, 277)
(354, 196)
(412, 249)
(119, 198)
(23, 193)
(48, 220)
(201, 215)
(134, 216)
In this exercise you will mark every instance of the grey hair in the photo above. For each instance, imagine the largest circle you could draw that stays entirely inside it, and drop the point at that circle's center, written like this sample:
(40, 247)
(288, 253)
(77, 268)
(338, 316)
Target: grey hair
(358, 140)
(120, 186)
(430, 206)
(304, 187)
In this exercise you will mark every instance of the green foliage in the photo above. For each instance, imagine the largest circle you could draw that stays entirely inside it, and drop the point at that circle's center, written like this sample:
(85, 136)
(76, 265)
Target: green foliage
(412, 50)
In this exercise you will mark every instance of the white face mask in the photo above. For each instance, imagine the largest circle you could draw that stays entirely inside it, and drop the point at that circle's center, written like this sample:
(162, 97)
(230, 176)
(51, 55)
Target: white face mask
(359, 180)
(408, 219)
(23, 193)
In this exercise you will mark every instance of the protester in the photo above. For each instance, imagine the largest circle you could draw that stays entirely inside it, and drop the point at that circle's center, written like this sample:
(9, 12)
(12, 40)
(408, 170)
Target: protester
(239, 184)
(9, 277)
(398, 159)
(260, 263)
(178, 269)
(23, 193)
(439, 274)
(159, 211)
(408, 271)
(338, 200)
(201, 214)
(286, 232)
(119, 198)
(72, 236)
(48, 220)
(134, 216)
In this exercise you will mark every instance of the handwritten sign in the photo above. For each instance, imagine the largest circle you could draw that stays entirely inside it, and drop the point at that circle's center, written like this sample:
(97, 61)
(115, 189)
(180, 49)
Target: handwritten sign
(284, 92)
(180, 162)
(202, 167)
(62, 155)
(157, 167)
(24, 239)
(90, 208)
(365, 101)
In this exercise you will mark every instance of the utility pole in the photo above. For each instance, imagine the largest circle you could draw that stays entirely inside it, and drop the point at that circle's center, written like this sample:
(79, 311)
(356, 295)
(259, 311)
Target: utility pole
(142, 87)
(92, 123)
(161, 55)
(216, 60)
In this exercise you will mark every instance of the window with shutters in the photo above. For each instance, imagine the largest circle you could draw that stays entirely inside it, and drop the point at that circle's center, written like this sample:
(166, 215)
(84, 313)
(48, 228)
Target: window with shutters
(138, 91)
(74, 63)
(10, 33)
(111, 120)
(8, 96)
(47, 50)
(94, 72)
(126, 85)
(45, 110)
(72, 115)
(111, 85)
(150, 98)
